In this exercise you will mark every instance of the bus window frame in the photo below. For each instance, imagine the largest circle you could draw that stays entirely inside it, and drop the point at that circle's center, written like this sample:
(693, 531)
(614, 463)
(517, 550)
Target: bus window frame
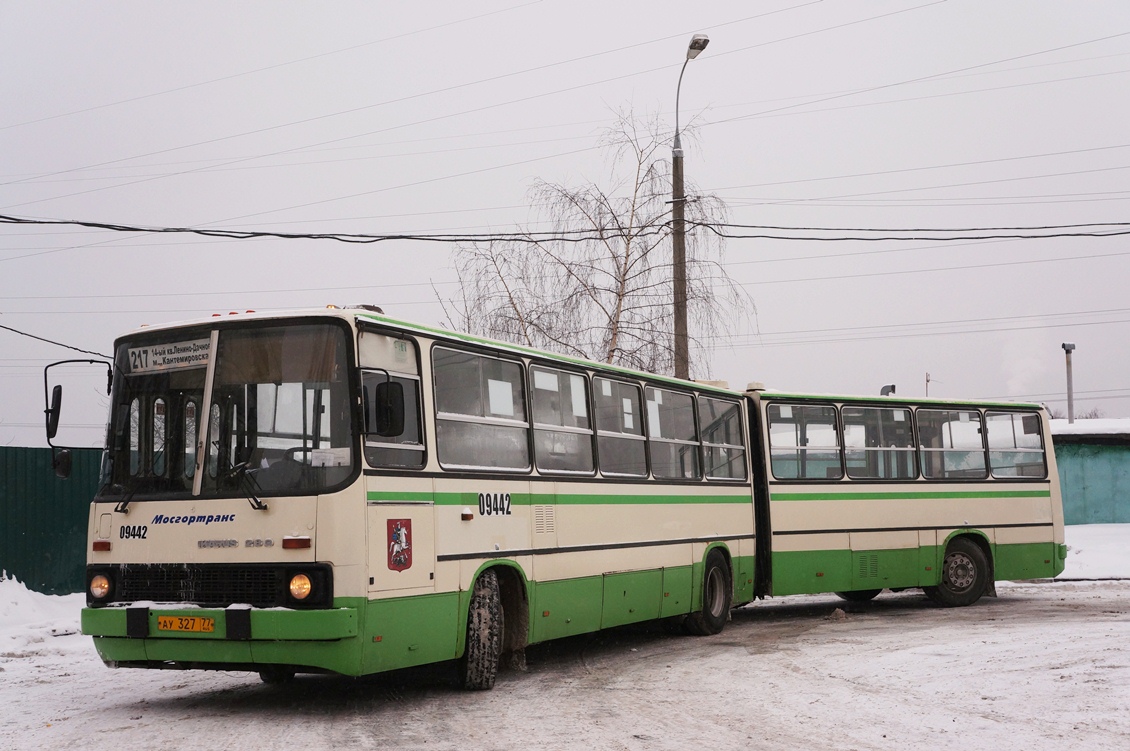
(691, 394)
(837, 424)
(642, 437)
(923, 451)
(1043, 443)
(370, 327)
(435, 414)
(586, 378)
(912, 450)
(743, 434)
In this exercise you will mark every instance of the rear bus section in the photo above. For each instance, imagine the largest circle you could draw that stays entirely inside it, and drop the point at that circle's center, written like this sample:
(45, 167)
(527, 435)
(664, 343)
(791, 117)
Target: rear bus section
(873, 494)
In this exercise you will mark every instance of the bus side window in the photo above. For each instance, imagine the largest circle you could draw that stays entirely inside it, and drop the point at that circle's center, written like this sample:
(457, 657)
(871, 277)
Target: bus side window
(405, 449)
(672, 435)
(878, 443)
(1016, 448)
(723, 440)
(480, 411)
(619, 424)
(388, 358)
(952, 444)
(562, 430)
(804, 442)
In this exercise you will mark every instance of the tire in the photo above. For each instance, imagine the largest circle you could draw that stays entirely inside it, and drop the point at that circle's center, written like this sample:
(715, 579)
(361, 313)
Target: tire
(717, 596)
(965, 575)
(859, 595)
(479, 665)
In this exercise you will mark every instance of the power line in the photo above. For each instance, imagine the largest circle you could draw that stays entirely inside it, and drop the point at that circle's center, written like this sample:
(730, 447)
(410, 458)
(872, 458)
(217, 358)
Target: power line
(919, 79)
(966, 267)
(794, 201)
(925, 97)
(865, 234)
(52, 341)
(878, 173)
(720, 230)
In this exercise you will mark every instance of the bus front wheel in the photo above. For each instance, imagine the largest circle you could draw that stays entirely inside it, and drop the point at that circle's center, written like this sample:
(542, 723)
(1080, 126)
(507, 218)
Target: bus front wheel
(479, 665)
(717, 595)
(965, 574)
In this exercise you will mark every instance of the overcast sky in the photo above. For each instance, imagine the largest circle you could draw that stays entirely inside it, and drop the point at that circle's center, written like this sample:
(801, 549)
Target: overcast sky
(424, 117)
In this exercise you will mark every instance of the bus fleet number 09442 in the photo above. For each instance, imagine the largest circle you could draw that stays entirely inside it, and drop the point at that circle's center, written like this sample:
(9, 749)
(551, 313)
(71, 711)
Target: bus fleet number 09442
(494, 504)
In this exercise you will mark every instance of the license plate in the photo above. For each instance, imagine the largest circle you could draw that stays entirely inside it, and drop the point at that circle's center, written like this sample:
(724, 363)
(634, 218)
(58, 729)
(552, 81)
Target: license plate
(186, 623)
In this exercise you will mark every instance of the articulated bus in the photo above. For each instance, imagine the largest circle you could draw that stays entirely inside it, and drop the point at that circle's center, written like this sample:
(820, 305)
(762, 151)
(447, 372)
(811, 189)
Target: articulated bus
(337, 491)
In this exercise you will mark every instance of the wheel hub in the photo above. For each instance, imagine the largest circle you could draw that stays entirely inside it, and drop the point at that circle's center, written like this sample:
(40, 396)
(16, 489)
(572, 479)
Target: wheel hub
(960, 571)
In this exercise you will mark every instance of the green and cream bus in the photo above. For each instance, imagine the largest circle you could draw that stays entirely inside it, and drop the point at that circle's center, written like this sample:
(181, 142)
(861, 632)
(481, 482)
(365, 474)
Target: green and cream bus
(337, 491)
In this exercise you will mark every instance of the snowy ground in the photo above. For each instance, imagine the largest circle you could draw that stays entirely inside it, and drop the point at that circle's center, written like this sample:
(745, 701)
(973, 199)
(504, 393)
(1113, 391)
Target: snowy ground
(1043, 666)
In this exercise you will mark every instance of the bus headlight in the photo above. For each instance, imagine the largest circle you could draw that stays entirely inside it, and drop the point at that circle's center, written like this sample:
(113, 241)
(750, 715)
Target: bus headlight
(99, 586)
(300, 586)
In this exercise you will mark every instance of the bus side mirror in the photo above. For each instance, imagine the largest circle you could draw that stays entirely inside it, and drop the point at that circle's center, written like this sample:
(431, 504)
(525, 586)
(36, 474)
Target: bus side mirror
(53, 411)
(61, 463)
(388, 409)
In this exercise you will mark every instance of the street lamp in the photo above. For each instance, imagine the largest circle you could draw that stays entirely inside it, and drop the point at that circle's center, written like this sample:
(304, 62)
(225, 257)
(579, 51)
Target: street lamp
(678, 230)
(1068, 347)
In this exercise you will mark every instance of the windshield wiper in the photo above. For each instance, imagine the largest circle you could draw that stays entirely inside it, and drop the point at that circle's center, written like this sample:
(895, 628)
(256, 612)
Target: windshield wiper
(123, 505)
(248, 484)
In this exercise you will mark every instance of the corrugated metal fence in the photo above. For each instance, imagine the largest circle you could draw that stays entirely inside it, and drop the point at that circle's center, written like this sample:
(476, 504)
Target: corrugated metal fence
(43, 518)
(1095, 478)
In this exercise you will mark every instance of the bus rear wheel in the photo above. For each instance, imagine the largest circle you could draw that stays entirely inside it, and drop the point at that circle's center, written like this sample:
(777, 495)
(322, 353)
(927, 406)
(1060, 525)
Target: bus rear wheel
(479, 665)
(965, 574)
(717, 596)
(859, 595)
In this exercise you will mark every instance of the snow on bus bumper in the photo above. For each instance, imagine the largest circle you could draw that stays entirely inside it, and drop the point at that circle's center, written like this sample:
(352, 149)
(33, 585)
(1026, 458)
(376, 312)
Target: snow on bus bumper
(234, 624)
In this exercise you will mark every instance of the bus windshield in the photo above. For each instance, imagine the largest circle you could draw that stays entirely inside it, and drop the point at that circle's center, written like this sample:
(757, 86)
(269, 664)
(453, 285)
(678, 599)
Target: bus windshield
(279, 420)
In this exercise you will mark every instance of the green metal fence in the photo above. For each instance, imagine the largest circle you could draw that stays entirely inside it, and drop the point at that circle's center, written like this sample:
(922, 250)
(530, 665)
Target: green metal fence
(43, 518)
(1095, 477)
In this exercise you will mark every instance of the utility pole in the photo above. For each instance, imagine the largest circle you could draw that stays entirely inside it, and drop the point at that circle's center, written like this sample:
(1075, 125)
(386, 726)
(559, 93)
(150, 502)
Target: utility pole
(678, 229)
(1068, 347)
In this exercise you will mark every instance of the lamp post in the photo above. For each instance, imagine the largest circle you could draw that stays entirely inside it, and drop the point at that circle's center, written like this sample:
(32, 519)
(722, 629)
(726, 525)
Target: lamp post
(1068, 347)
(678, 230)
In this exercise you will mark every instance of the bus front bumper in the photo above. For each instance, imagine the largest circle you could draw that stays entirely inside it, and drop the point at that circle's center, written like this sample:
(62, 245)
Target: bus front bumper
(226, 639)
(233, 624)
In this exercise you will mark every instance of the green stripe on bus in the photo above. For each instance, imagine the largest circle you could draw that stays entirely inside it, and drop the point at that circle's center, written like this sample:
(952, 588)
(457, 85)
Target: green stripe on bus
(650, 499)
(575, 499)
(913, 495)
(394, 496)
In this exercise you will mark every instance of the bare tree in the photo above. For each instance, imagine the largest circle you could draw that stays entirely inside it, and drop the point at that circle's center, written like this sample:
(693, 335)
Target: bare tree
(601, 287)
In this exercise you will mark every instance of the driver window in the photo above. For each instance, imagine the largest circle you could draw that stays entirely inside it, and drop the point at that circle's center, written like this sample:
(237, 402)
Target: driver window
(386, 358)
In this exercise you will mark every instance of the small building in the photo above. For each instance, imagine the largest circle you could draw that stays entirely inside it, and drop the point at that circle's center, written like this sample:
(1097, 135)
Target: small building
(1094, 470)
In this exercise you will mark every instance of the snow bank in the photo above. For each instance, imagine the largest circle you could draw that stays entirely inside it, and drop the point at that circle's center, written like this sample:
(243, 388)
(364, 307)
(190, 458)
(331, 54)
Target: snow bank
(19, 606)
(27, 616)
(1097, 551)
